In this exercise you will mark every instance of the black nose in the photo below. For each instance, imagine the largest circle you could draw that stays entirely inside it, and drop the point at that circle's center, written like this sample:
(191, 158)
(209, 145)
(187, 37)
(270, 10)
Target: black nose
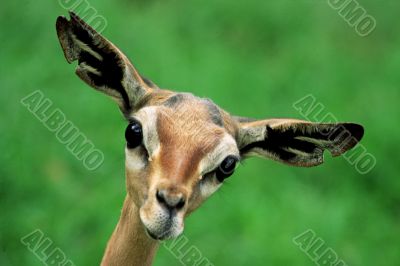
(170, 200)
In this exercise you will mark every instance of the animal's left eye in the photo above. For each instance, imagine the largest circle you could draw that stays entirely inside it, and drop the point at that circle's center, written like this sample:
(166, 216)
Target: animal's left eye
(226, 168)
(134, 135)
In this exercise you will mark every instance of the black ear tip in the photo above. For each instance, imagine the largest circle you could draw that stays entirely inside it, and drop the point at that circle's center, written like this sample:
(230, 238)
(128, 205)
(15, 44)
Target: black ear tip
(356, 130)
(72, 14)
(75, 18)
(61, 21)
(61, 18)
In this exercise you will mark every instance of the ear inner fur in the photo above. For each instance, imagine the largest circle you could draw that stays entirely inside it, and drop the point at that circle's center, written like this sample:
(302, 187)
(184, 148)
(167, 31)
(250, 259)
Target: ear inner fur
(303, 143)
(100, 63)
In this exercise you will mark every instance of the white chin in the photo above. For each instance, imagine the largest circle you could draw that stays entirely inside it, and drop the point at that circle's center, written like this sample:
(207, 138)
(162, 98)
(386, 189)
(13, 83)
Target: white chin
(162, 228)
(168, 234)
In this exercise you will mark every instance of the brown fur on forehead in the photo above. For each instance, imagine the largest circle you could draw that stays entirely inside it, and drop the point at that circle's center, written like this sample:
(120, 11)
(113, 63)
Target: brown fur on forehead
(176, 101)
(187, 102)
(186, 135)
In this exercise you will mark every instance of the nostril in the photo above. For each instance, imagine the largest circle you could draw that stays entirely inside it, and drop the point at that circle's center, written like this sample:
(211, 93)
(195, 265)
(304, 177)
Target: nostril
(180, 204)
(160, 197)
(169, 201)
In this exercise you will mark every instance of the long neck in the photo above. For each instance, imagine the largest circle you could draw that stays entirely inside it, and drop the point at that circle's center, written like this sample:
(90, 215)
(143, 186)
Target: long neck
(129, 244)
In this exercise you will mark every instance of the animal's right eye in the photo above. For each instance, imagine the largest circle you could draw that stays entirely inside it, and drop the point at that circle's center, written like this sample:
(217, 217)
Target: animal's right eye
(134, 135)
(226, 168)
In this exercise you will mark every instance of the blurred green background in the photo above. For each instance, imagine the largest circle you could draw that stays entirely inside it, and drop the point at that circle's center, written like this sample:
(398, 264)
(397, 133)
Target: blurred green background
(253, 58)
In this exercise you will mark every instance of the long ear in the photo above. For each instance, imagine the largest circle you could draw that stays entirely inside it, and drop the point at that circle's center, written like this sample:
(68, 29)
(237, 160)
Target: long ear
(296, 142)
(100, 63)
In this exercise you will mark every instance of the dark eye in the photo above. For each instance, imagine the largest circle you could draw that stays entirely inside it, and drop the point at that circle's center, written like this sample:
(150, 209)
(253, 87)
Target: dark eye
(133, 134)
(226, 168)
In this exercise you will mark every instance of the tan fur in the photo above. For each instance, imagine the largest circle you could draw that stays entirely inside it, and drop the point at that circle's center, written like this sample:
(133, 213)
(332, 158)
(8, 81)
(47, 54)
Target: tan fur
(197, 136)
(129, 244)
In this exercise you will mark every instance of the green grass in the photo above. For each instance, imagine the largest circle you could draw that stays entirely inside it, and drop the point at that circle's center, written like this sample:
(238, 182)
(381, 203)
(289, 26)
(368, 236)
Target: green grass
(253, 58)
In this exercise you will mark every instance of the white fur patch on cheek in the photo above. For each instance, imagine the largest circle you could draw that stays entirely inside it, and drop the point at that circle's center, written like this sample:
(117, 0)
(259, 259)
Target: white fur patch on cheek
(207, 188)
(134, 160)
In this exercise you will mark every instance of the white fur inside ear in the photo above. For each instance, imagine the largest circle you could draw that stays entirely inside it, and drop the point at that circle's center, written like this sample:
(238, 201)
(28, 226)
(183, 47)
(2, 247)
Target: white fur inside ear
(88, 68)
(251, 134)
(297, 152)
(86, 48)
(319, 142)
